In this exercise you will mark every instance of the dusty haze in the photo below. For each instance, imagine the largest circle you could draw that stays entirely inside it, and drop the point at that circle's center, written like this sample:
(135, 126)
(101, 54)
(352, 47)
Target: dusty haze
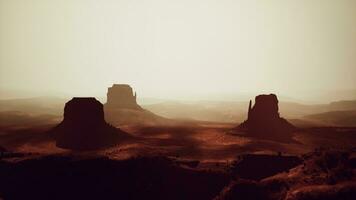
(179, 49)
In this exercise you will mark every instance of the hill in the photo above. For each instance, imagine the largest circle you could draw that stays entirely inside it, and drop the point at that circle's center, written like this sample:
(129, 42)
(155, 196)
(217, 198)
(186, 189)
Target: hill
(334, 118)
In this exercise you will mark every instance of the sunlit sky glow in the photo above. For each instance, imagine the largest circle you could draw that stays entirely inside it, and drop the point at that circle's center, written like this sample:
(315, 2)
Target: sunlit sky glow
(177, 49)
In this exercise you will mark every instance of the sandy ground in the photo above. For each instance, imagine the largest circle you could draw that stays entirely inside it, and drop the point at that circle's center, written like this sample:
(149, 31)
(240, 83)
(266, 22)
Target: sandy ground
(209, 142)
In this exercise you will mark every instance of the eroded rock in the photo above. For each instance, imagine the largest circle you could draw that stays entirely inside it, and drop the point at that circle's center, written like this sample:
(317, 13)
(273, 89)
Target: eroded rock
(121, 96)
(121, 108)
(84, 126)
(264, 120)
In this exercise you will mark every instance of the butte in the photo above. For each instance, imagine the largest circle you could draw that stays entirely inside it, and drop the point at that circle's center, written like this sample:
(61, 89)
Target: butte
(84, 127)
(263, 120)
(121, 108)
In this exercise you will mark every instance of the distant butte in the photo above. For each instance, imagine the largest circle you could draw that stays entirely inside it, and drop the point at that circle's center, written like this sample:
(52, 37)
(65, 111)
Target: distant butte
(121, 96)
(84, 126)
(121, 108)
(264, 121)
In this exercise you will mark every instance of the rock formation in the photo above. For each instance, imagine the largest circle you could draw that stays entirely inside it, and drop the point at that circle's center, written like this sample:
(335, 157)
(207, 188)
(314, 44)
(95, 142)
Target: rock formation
(121, 96)
(121, 108)
(84, 126)
(264, 121)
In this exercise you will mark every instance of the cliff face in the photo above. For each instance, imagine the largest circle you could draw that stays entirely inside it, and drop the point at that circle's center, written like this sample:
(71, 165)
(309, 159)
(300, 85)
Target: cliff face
(84, 111)
(264, 120)
(84, 126)
(266, 107)
(120, 96)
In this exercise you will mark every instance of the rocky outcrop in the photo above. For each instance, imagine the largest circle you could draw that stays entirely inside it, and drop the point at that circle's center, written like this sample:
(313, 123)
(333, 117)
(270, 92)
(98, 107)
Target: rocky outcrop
(264, 120)
(121, 108)
(253, 166)
(121, 96)
(324, 174)
(266, 107)
(84, 126)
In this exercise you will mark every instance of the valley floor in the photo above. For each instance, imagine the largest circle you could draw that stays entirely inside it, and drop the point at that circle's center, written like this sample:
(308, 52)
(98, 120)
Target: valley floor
(197, 161)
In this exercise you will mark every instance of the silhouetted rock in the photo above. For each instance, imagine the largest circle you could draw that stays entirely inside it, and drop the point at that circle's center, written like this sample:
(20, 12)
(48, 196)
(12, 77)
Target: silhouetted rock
(264, 121)
(266, 107)
(121, 108)
(121, 96)
(84, 126)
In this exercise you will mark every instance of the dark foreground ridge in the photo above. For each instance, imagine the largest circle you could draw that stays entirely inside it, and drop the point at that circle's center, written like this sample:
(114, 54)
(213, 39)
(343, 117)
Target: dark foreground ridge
(264, 121)
(319, 175)
(323, 175)
(59, 177)
(84, 126)
(257, 167)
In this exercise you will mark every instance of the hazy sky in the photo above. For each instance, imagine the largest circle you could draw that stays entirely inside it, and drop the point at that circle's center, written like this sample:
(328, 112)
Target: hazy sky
(178, 49)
